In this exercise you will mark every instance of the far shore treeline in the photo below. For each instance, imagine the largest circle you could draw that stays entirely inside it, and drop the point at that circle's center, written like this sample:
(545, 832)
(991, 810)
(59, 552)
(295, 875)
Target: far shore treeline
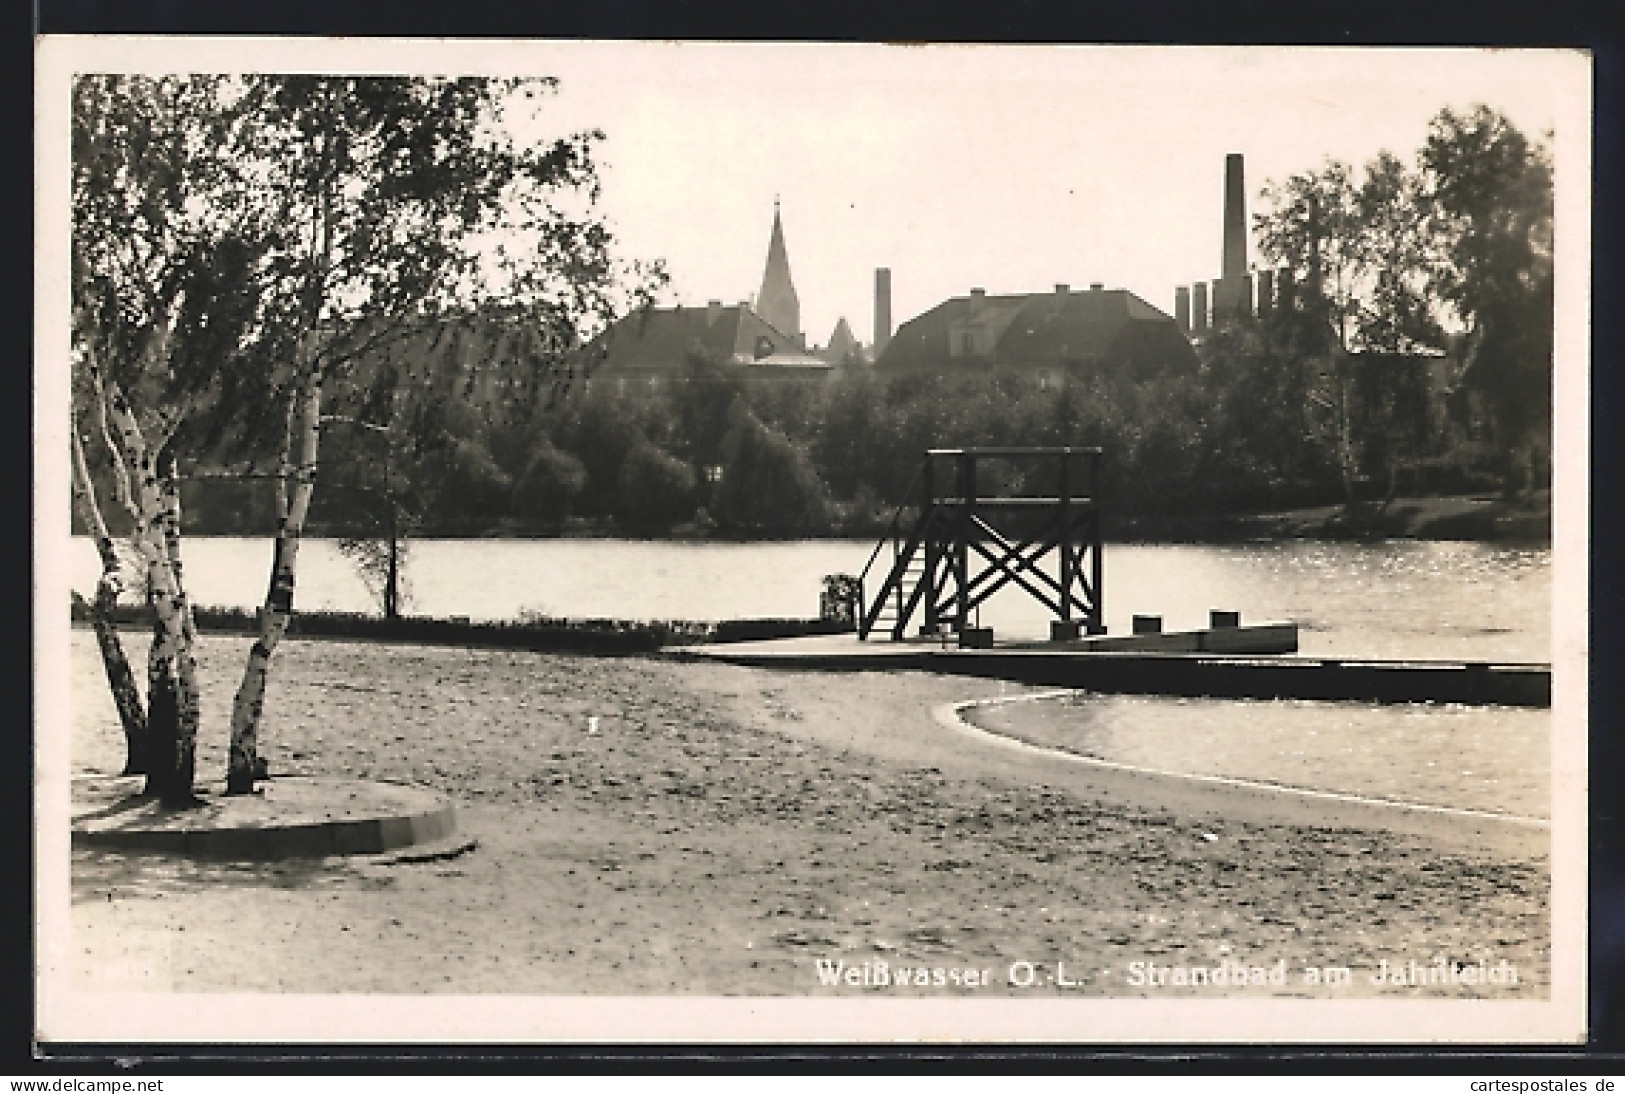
(1412, 358)
(716, 456)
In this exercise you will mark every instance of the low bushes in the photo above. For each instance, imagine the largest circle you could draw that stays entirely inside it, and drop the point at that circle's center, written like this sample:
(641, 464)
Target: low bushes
(599, 636)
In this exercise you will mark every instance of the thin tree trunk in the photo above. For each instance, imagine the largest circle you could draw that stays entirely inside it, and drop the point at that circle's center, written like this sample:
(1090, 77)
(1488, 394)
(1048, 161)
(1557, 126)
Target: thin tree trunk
(188, 694)
(244, 763)
(1345, 440)
(163, 716)
(120, 678)
(392, 580)
(172, 761)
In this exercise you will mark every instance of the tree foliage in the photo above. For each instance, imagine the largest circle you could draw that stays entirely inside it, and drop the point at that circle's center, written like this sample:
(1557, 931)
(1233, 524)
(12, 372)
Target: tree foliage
(1452, 251)
(247, 246)
(654, 489)
(550, 483)
(768, 485)
(1491, 192)
(1313, 230)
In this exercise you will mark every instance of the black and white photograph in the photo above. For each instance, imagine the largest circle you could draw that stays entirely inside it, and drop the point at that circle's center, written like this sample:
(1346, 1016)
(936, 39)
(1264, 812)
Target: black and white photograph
(588, 541)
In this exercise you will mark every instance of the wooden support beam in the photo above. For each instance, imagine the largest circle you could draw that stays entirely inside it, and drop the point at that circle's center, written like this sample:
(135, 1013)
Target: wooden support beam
(1065, 536)
(1009, 536)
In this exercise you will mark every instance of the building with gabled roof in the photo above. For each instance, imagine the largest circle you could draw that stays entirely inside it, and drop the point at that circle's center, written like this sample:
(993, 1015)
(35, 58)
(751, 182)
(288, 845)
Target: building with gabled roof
(843, 346)
(653, 344)
(1047, 334)
(763, 339)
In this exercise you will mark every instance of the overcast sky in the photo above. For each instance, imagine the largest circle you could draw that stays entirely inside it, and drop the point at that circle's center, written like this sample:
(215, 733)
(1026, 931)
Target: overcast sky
(1010, 168)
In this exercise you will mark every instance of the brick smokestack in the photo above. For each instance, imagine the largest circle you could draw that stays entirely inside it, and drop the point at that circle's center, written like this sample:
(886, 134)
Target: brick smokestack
(1234, 267)
(1199, 308)
(882, 308)
(1182, 308)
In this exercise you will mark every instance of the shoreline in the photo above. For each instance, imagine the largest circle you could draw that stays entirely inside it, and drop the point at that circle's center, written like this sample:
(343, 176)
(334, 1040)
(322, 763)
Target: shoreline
(601, 637)
(1023, 739)
(719, 830)
(1478, 518)
(1460, 518)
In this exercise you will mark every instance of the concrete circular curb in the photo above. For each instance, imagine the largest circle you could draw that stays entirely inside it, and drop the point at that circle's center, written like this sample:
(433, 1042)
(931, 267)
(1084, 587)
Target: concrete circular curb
(289, 817)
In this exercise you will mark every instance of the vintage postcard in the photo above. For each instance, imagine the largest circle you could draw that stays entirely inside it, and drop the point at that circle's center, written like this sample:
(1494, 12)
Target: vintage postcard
(631, 541)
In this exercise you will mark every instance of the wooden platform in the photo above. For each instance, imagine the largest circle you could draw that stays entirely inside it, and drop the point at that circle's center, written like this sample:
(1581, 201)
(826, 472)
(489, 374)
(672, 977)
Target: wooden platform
(1191, 664)
(1256, 638)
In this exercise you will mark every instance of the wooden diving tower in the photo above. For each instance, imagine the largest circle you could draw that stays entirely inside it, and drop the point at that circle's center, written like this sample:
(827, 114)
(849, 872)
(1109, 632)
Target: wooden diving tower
(975, 520)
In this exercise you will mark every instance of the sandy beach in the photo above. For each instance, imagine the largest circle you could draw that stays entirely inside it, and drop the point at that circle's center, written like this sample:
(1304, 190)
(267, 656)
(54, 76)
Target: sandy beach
(725, 830)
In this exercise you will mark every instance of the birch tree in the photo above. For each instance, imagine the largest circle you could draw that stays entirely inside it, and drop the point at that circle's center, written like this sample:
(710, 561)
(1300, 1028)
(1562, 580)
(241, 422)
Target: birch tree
(1361, 251)
(127, 700)
(160, 304)
(1460, 242)
(406, 203)
(1397, 313)
(1310, 229)
(292, 226)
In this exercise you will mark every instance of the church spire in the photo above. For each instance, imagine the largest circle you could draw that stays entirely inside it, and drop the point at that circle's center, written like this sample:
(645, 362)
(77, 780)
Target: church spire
(777, 302)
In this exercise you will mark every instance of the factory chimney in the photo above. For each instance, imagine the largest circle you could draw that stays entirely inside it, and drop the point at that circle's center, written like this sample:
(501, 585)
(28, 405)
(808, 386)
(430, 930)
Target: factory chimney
(882, 309)
(1235, 221)
(1231, 295)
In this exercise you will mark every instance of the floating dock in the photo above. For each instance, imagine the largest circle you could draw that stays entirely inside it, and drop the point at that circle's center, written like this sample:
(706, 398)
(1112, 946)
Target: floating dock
(977, 520)
(1214, 663)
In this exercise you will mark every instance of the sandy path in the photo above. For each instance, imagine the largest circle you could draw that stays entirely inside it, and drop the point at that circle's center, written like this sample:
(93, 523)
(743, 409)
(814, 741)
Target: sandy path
(727, 828)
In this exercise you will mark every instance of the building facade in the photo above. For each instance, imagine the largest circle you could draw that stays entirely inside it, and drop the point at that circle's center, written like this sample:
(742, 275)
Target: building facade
(763, 340)
(654, 344)
(1047, 335)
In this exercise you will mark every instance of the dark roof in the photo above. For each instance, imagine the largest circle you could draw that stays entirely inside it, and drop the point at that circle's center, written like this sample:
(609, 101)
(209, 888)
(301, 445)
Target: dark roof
(842, 343)
(1037, 330)
(661, 339)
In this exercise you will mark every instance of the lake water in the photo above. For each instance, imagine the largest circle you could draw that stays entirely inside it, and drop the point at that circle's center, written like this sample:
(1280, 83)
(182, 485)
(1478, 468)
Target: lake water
(1389, 600)
(1400, 599)
(1494, 759)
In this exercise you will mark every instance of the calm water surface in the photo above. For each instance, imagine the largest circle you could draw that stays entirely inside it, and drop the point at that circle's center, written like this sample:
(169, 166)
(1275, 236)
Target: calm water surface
(1495, 759)
(1401, 599)
(1397, 599)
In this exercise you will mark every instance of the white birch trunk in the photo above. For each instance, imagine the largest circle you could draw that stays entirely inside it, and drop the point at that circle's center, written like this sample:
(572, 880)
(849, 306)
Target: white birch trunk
(163, 716)
(244, 763)
(120, 678)
(189, 694)
(303, 431)
(172, 773)
(172, 553)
